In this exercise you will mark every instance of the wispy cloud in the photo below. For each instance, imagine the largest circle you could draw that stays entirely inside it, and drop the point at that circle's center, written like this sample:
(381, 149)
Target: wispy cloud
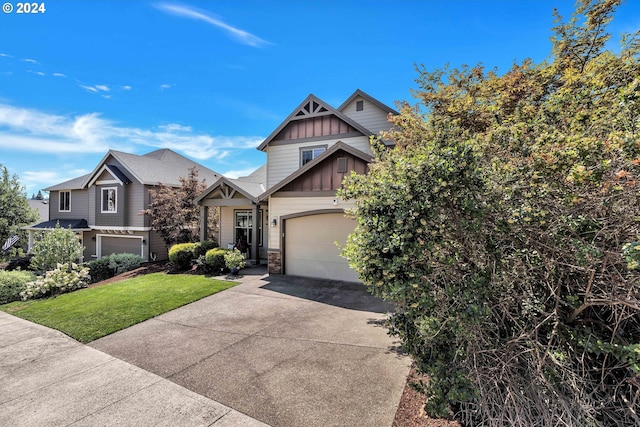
(237, 173)
(239, 35)
(126, 87)
(95, 88)
(4, 55)
(30, 61)
(58, 75)
(166, 86)
(30, 130)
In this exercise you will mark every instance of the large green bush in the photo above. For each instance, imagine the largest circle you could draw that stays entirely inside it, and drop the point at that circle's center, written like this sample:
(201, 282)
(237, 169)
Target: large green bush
(503, 225)
(182, 255)
(214, 260)
(124, 262)
(202, 247)
(99, 269)
(12, 283)
(53, 247)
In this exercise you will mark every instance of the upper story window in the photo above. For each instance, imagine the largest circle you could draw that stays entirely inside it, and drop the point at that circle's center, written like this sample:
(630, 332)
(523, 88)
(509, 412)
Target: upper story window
(109, 200)
(308, 154)
(65, 201)
(359, 105)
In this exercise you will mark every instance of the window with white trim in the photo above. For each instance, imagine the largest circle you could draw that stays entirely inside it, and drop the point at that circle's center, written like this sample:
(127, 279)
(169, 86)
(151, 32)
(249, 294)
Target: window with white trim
(244, 227)
(109, 197)
(65, 201)
(308, 154)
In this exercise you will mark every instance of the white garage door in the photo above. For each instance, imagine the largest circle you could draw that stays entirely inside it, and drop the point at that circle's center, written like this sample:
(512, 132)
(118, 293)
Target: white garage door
(310, 248)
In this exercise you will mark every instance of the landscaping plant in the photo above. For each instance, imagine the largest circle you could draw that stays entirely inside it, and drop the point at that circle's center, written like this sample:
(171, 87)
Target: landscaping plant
(182, 255)
(53, 247)
(64, 278)
(504, 226)
(12, 283)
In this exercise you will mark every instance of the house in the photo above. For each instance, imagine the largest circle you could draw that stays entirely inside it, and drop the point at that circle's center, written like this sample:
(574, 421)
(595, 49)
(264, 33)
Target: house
(287, 210)
(105, 207)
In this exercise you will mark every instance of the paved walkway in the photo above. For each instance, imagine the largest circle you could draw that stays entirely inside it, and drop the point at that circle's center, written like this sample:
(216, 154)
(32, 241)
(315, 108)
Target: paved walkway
(285, 351)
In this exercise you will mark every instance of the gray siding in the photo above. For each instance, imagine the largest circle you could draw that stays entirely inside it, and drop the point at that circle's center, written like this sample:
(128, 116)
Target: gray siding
(111, 219)
(157, 246)
(135, 202)
(79, 205)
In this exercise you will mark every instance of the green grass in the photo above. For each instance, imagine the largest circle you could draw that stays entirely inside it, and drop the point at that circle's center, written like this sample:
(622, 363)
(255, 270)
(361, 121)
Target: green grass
(89, 314)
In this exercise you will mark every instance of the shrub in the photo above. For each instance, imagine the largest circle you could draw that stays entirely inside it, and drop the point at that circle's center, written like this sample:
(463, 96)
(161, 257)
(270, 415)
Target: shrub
(99, 269)
(65, 278)
(202, 248)
(12, 283)
(215, 259)
(53, 247)
(121, 263)
(181, 255)
(234, 259)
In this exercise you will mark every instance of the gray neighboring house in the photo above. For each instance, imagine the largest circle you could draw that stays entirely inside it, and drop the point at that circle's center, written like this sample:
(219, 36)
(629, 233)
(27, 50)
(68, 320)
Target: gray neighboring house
(105, 207)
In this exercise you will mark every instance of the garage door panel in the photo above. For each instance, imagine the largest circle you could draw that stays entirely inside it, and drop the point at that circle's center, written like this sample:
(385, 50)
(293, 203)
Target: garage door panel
(311, 249)
(112, 245)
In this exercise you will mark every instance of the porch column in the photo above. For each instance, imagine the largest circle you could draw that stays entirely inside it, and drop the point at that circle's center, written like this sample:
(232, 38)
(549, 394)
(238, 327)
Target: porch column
(255, 229)
(204, 215)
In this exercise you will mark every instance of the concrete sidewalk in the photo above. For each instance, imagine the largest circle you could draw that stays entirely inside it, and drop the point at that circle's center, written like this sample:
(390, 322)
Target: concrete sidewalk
(48, 379)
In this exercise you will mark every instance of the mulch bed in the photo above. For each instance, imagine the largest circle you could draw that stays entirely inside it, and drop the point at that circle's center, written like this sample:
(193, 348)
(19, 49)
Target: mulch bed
(410, 412)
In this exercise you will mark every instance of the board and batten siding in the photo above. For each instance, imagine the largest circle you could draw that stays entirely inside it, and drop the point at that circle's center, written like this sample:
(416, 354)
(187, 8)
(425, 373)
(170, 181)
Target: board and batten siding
(371, 116)
(283, 160)
(281, 206)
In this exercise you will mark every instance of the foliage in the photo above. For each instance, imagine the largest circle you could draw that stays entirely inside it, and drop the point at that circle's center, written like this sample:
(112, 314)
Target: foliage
(202, 247)
(15, 212)
(12, 283)
(64, 278)
(215, 259)
(53, 247)
(112, 265)
(99, 269)
(175, 214)
(123, 262)
(182, 255)
(234, 259)
(92, 313)
(504, 225)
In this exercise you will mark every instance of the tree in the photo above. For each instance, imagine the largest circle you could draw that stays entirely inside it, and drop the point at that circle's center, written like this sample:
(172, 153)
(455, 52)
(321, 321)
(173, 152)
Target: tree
(53, 247)
(15, 212)
(504, 227)
(174, 213)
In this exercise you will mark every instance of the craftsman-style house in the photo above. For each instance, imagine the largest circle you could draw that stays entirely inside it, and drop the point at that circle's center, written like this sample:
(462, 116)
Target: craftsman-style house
(287, 210)
(105, 207)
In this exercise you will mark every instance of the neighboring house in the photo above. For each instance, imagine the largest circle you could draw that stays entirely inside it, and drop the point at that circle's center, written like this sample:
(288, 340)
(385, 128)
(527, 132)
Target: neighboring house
(105, 208)
(287, 211)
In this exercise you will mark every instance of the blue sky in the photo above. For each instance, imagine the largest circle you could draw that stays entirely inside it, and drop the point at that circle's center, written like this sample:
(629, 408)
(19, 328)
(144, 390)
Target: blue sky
(212, 79)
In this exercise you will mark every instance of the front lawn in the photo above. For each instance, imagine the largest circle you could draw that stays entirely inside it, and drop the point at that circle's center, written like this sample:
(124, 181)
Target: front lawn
(92, 313)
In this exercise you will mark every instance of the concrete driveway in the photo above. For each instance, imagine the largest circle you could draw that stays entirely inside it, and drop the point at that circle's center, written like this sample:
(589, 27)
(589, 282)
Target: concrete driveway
(285, 351)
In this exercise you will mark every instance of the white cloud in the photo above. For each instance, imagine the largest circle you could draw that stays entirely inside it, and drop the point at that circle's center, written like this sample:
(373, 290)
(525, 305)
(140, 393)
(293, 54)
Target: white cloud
(126, 87)
(165, 86)
(237, 173)
(103, 88)
(95, 88)
(28, 130)
(31, 61)
(189, 12)
(59, 75)
(89, 88)
(40, 73)
(5, 55)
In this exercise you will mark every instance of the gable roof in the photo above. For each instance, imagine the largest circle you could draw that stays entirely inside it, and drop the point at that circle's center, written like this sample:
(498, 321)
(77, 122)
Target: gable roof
(159, 166)
(369, 98)
(338, 146)
(250, 186)
(313, 106)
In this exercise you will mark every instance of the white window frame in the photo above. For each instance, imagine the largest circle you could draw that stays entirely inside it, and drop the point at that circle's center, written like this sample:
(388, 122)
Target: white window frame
(68, 201)
(115, 200)
(315, 152)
